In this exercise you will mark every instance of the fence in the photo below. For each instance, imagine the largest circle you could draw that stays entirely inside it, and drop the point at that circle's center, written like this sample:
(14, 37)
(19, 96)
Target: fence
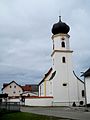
(11, 106)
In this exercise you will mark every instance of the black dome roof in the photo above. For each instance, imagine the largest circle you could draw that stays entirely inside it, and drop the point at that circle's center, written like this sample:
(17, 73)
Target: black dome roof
(60, 27)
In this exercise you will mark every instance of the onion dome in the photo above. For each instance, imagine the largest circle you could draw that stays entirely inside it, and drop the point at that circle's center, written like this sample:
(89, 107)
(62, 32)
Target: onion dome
(60, 27)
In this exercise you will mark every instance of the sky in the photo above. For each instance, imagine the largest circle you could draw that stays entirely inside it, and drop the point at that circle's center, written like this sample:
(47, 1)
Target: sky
(25, 37)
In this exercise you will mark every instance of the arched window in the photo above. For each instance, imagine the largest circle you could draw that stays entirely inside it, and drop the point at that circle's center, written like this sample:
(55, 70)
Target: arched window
(63, 60)
(63, 44)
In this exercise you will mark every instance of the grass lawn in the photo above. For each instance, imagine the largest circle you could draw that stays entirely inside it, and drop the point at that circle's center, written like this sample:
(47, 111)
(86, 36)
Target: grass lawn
(27, 116)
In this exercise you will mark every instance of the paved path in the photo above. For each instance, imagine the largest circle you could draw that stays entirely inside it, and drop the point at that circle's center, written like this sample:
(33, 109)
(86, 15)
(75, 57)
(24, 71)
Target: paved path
(65, 112)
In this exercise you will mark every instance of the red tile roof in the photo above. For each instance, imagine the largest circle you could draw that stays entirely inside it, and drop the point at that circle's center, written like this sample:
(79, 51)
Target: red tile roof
(30, 97)
(26, 88)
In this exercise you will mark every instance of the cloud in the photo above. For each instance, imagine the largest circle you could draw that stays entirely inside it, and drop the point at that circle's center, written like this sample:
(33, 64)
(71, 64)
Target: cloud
(25, 37)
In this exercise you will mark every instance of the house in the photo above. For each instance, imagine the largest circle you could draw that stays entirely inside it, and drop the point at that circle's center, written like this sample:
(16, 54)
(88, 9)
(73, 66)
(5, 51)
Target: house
(86, 75)
(30, 90)
(60, 81)
(15, 91)
(12, 89)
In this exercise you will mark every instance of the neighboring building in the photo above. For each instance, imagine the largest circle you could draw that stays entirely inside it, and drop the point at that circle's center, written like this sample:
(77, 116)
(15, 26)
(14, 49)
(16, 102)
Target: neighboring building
(29, 93)
(30, 90)
(15, 90)
(61, 82)
(12, 89)
(86, 75)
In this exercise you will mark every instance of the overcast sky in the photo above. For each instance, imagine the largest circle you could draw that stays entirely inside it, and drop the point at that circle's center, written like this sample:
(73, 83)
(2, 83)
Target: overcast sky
(25, 37)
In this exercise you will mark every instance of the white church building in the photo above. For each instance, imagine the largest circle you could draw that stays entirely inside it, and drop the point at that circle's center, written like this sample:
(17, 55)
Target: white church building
(86, 75)
(60, 85)
(61, 82)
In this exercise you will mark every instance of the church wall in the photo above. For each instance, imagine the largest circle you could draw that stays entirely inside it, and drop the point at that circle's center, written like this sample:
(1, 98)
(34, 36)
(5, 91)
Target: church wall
(45, 88)
(49, 88)
(41, 89)
(38, 101)
(75, 90)
(60, 92)
(80, 88)
(64, 94)
(87, 82)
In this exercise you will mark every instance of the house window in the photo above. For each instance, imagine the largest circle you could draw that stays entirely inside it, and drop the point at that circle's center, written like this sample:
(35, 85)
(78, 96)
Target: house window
(63, 44)
(14, 92)
(83, 93)
(63, 60)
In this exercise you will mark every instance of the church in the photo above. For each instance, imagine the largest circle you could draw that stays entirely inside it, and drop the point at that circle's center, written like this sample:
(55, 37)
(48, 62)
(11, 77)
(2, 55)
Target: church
(61, 82)
(60, 85)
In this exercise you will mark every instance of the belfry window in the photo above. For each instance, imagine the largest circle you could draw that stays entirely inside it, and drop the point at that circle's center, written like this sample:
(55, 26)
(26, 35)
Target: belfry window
(63, 60)
(63, 44)
(64, 84)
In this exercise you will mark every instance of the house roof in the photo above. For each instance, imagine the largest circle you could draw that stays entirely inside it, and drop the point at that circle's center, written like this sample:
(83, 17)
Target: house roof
(46, 75)
(86, 73)
(30, 87)
(6, 84)
(26, 88)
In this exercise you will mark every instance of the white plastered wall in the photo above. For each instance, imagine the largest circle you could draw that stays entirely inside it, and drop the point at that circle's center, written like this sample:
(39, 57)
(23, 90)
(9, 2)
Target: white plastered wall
(87, 83)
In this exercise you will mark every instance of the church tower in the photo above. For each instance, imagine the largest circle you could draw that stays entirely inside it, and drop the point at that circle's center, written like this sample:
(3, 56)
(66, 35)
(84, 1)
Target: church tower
(60, 83)
(65, 90)
(61, 46)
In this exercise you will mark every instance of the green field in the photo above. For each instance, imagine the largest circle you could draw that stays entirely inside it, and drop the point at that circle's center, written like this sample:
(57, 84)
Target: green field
(26, 116)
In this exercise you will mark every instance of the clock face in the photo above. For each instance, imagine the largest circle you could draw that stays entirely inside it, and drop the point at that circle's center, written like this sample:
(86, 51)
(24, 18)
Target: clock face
(63, 38)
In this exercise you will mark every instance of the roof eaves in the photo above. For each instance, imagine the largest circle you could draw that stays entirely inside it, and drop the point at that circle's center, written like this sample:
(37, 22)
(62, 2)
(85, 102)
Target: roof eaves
(12, 82)
(46, 75)
(78, 77)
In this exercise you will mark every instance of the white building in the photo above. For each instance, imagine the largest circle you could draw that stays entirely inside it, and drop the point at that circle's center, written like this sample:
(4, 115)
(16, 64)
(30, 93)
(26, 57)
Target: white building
(12, 89)
(45, 86)
(60, 85)
(17, 93)
(15, 90)
(87, 85)
(61, 82)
